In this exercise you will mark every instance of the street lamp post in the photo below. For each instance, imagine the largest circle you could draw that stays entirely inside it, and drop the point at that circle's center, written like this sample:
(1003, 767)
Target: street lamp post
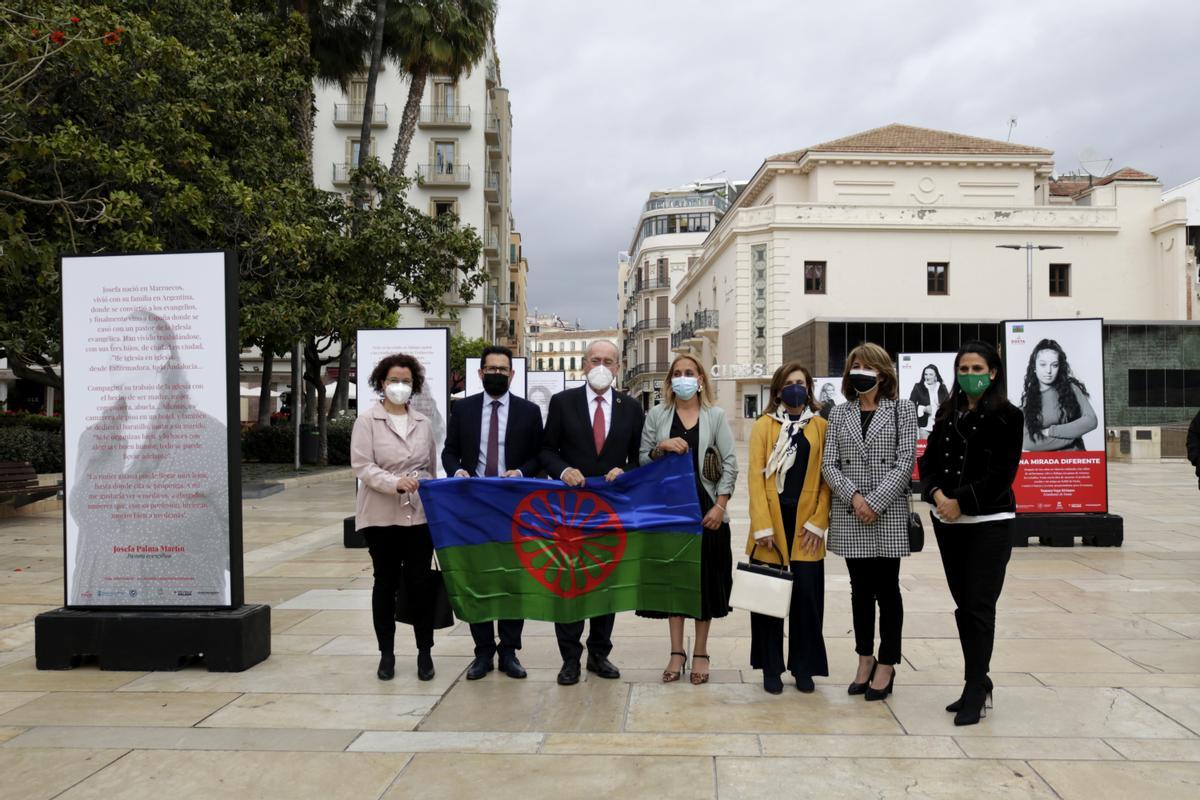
(1029, 247)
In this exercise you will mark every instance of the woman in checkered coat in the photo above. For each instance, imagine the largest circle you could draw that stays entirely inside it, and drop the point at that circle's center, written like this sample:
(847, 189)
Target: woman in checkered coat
(870, 447)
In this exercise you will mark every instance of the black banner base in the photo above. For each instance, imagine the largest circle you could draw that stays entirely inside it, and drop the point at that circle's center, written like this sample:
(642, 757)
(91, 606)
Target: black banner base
(1061, 530)
(350, 537)
(226, 641)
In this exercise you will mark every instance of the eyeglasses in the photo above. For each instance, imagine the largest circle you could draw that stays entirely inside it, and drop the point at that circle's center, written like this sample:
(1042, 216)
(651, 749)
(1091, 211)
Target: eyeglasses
(495, 370)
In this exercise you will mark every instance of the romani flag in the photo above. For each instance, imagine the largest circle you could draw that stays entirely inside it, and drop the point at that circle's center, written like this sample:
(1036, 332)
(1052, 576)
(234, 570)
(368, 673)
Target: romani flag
(520, 548)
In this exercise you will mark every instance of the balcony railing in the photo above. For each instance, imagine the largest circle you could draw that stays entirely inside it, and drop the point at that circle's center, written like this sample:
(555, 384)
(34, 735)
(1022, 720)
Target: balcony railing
(352, 114)
(652, 324)
(705, 320)
(652, 282)
(492, 186)
(647, 368)
(444, 174)
(491, 242)
(491, 129)
(445, 116)
(695, 201)
(685, 333)
(341, 172)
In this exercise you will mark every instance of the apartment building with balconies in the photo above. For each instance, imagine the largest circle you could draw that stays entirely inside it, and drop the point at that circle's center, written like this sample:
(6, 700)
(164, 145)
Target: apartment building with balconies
(667, 239)
(460, 161)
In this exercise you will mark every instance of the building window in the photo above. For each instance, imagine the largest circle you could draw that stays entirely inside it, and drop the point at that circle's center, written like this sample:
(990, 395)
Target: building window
(663, 269)
(560, 362)
(512, 291)
(443, 158)
(1164, 388)
(512, 329)
(937, 277)
(572, 362)
(541, 365)
(539, 347)
(444, 205)
(1060, 280)
(814, 277)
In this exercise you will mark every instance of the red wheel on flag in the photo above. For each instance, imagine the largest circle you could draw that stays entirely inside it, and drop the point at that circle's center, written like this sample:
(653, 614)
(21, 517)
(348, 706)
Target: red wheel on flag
(569, 541)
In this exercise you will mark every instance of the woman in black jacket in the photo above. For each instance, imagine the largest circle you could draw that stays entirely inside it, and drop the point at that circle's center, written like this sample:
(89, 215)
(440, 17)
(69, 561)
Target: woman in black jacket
(968, 470)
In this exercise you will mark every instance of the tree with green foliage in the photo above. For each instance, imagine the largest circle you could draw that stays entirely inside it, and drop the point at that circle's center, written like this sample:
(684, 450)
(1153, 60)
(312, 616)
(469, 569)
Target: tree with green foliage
(462, 348)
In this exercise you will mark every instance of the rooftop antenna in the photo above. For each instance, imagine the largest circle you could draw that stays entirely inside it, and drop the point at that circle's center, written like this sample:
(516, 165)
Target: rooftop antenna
(1012, 123)
(1094, 164)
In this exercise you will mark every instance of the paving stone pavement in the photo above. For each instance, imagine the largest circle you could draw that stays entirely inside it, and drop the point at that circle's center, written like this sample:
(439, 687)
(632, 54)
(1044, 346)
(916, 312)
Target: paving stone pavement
(1097, 668)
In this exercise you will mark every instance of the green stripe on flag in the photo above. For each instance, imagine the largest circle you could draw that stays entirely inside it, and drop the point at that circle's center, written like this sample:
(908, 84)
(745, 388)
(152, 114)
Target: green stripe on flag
(658, 572)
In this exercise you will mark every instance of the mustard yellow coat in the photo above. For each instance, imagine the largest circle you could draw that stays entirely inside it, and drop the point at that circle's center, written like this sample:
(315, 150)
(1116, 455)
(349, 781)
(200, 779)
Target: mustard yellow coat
(813, 509)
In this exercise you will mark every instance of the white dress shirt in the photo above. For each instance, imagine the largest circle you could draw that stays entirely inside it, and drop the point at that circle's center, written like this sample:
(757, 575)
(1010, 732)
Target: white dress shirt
(485, 425)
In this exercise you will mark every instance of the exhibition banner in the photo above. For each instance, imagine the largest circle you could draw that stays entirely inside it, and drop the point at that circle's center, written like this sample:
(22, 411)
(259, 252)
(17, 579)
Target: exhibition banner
(1056, 376)
(829, 393)
(541, 386)
(431, 347)
(574, 384)
(151, 435)
(925, 380)
(516, 385)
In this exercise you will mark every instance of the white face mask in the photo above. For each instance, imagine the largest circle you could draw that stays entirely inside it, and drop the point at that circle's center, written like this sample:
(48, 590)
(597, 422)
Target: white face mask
(600, 378)
(398, 393)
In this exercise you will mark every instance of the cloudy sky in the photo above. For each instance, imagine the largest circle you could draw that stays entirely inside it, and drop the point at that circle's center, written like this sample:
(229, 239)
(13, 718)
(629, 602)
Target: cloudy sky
(614, 99)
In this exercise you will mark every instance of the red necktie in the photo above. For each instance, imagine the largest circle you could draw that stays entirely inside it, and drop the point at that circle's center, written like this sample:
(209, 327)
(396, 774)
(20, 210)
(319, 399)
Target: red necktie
(492, 467)
(598, 425)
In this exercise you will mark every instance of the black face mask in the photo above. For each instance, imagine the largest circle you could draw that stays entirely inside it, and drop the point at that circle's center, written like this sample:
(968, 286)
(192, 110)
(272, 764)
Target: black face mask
(863, 383)
(495, 385)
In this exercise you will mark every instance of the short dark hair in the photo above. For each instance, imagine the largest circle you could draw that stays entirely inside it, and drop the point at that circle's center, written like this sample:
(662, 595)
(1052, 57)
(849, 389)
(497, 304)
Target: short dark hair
(495, 349)
(379, 374)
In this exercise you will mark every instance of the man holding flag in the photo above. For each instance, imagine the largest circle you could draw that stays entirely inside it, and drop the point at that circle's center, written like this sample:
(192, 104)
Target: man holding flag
(591, 431)
(494, 434)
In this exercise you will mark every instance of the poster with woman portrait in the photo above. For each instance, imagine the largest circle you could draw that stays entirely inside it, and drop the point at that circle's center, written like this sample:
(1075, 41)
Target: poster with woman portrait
(829, 393)
(925, 381)
(541, 386)
(1056, 377)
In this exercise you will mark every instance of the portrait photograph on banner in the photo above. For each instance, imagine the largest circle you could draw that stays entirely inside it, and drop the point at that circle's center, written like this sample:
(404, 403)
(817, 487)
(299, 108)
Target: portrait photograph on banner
(829, 393)
(516, 386)
(540, 386)
(1056, 377)
(926, 380)
(152, 470)
(431, 348)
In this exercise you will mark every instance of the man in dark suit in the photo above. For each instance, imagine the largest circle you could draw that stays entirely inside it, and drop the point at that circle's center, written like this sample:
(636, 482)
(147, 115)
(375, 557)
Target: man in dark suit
(494, 434)
(591, 431)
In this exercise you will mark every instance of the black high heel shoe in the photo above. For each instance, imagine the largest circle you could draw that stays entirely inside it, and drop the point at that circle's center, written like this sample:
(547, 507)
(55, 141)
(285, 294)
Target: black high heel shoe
(861, 688)
(881, 694)
(977, 699)
(424, 665)
(957, 705)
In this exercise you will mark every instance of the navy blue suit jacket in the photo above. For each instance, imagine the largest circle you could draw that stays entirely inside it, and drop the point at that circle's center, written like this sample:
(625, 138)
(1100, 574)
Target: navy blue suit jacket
(522, 437)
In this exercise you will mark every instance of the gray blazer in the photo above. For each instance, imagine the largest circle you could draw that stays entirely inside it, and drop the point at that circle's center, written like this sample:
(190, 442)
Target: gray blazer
(714, 432)
(879, 468)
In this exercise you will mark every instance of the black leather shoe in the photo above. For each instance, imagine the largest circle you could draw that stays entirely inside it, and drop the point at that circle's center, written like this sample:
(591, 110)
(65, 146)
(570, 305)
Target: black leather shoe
(387, 667)
(976, 700)
(511, 667)
(804, 683)
(569, 674)
(478, 668)
(424, 665)
(603, 667)
(957, 705)
(772, 684)
(861, 688)
(881, 694)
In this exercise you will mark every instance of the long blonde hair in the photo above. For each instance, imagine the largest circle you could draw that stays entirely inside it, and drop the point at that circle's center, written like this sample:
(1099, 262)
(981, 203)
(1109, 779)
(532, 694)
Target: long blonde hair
(668, 394)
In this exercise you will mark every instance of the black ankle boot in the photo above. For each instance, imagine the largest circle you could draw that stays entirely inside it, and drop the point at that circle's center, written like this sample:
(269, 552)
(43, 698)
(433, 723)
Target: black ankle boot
(387, 667)
(957, 705)
(424, 664)
(975, 702)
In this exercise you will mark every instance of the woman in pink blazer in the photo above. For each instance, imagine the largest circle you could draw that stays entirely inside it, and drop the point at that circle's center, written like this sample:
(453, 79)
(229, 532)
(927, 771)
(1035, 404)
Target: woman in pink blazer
(392, 450)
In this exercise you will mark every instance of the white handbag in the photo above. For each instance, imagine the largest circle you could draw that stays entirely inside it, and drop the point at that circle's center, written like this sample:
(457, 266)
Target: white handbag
(762, 589)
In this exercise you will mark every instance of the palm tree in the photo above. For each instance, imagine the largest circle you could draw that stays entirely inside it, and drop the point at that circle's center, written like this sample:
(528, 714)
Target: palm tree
(442, 37)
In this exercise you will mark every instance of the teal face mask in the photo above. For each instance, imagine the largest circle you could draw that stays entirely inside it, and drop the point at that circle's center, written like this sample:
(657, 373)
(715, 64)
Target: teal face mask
(975, 384)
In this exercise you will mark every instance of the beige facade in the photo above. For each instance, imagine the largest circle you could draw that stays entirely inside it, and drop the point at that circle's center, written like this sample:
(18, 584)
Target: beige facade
(460, 160)
(903, 223)
(562, 348)
(668, 240)
(516, 335)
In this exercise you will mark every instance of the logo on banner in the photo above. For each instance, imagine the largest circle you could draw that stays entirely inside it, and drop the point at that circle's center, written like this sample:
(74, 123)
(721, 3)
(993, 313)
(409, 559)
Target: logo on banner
(569, 542)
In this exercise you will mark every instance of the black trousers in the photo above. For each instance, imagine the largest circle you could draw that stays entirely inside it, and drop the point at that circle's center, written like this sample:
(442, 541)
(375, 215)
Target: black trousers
(599, 641)
(401, 557)
(876, 581)
(484, 634)
(975, 558)
(806, 642)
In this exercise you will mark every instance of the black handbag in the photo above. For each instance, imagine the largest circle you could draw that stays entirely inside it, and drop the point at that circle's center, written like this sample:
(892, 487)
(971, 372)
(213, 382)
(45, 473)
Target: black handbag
(443, 614)
(916, 528)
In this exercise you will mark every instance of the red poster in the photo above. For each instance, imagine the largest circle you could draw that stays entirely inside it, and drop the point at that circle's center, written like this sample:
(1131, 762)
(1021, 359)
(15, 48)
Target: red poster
(921, 445)
(1062, 482)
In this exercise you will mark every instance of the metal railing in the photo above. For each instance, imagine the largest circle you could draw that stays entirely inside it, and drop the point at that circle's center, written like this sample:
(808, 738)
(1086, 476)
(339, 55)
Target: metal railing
(647, 368)
(493, 181)
(346, 113)
(695, 201)
(445, 115)
(652, 282)
(341, 172)
(444, 173)
(705, 320)
(652, 324)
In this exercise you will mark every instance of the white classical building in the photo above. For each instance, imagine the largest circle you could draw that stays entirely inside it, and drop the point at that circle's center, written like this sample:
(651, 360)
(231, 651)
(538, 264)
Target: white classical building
(460, 159)
(667, 240)
(559, 346)
(892, 235)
